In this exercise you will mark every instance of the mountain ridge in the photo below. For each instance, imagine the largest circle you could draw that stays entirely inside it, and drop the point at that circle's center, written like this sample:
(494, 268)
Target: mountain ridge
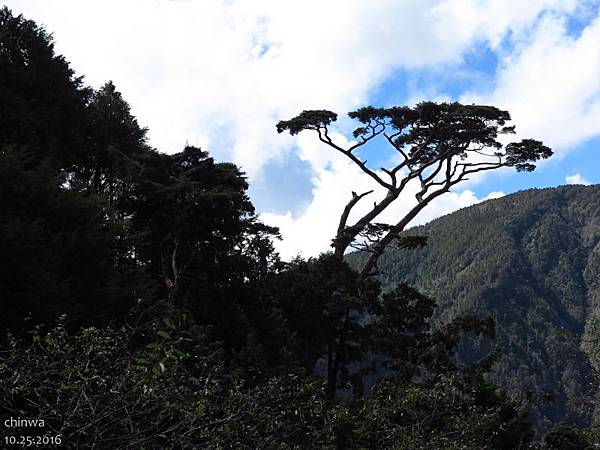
(531, 260)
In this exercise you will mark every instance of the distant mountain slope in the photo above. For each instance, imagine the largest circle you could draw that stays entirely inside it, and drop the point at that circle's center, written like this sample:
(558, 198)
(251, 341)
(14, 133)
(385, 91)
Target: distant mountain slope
(532, 261)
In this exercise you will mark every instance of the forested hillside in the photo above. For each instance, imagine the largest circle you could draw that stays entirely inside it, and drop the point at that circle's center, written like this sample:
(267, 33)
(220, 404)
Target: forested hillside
(142, 303)
(532, 262)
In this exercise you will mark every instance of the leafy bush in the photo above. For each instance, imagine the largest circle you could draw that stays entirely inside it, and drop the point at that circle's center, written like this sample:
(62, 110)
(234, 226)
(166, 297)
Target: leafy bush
(152, 385)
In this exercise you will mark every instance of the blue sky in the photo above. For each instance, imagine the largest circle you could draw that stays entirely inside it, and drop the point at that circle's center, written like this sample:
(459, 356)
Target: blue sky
(220, 74)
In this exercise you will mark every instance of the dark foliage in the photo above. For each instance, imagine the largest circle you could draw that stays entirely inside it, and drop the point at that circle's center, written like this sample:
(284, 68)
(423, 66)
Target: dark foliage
(565, 437)
(224, 346)
(42, 103)
(57, 251)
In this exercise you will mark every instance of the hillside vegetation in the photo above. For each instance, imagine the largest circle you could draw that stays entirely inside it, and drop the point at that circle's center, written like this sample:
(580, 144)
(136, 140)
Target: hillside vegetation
(531, 261)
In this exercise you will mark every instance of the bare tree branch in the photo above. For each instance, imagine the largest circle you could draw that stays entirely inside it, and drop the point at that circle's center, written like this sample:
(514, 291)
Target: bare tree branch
(344, 217)
(324, 137)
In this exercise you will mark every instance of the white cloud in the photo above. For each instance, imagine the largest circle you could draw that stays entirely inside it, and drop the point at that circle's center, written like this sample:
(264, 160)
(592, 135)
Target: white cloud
(493, 19)
(551, 84)
(577, 179)
(220, 74)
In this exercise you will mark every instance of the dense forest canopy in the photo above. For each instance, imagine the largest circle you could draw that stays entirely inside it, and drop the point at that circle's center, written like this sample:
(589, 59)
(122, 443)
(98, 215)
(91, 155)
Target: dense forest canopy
(143, 304)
